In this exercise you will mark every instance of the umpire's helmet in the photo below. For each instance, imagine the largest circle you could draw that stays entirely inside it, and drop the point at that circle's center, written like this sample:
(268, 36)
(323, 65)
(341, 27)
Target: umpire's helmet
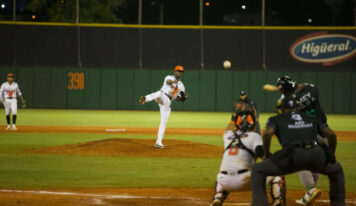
(287, 84)
(244, 117)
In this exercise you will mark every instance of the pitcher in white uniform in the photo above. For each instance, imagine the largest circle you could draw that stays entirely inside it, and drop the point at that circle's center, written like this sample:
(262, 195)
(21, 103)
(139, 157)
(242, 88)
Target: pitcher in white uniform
(241, 148)
(8, 93)
(172, 89)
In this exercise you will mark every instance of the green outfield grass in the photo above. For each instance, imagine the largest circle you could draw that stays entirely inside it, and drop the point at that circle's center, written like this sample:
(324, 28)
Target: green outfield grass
(149, 119)
(19, 169)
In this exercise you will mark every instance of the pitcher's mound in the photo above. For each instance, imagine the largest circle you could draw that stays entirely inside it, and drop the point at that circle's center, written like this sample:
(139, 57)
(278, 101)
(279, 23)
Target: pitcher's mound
(136, 147)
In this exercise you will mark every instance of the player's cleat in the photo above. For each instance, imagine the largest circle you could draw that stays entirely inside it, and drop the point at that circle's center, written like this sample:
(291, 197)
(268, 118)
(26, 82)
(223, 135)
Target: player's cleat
(8, 127)
(142, 100)
(216, 202)
(276, 203)
(309, 197)
(161, 146)
(14, 128)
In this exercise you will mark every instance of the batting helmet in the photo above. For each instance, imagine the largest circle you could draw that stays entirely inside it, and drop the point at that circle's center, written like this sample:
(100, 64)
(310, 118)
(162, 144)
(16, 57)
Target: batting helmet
(287, 84)
(179, 68)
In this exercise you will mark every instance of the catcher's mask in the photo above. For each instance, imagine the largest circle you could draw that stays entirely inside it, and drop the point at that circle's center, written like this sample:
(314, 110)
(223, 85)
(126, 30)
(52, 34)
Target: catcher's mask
(244, 117)
(287, 84)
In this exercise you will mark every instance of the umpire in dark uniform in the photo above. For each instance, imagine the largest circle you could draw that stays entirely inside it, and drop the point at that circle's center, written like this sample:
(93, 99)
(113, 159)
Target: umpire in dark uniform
(244, 98)
(297, 133)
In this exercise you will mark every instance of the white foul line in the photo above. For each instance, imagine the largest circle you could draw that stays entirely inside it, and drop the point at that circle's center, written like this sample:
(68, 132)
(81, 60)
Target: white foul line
(85, 194)
(115, 130)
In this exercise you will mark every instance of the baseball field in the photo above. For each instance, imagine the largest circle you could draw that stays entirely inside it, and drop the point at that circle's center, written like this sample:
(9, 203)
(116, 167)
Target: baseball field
(89, 157)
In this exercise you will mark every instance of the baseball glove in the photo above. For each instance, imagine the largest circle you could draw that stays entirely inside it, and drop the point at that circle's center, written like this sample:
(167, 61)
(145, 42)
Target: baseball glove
(23, 104)
(183, 96)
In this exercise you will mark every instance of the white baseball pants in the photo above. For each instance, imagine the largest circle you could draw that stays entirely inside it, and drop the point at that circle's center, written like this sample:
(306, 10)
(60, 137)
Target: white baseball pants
(241, 182)
(10, 106)
(233, 182)
(165, 110)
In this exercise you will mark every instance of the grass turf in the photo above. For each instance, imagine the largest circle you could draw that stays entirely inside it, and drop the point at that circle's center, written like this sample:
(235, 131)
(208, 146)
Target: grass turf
(177, 119)
(19, 169)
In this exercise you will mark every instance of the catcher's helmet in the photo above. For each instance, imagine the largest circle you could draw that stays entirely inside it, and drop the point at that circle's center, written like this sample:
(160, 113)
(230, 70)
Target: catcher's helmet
(287, 84)
(244, 117)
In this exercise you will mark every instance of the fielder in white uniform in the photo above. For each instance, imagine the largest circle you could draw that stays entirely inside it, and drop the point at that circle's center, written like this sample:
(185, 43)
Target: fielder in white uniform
(8, 93)
(241, 150)
(172, 89)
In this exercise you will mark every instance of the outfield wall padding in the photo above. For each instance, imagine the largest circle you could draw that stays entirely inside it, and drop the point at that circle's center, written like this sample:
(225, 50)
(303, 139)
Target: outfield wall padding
(108, 89)
(92, 89)
(353, 94)
(125, 89)
(41, 87)
(76, 98)
(26, 81)
(207, 90)
(58, 90)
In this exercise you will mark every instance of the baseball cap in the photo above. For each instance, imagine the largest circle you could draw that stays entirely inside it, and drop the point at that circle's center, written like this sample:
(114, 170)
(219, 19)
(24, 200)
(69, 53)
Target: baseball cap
(10, 75)
(179, 68)
(242, 93)
(288, 103)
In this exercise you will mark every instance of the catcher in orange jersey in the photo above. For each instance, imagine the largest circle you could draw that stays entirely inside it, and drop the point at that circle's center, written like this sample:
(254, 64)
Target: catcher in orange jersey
(241, 148)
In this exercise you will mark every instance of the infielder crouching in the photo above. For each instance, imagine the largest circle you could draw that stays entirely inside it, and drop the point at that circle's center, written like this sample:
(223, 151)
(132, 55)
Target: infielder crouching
(241, 148)
(172, 89)
(8, 93)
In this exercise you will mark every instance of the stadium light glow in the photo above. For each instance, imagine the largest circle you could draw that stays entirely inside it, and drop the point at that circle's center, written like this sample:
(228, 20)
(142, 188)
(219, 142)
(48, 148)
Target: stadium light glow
(243, 7)
(3, 6)
(310, 20)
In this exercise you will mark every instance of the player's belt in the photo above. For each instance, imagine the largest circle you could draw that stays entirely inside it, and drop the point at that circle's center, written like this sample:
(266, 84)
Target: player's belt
(9, 98)
(237, 172)
(309, 145)
(170, 97)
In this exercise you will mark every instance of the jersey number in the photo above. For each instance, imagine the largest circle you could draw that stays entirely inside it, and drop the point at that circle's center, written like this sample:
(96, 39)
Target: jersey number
(76, 80)
(233, 151)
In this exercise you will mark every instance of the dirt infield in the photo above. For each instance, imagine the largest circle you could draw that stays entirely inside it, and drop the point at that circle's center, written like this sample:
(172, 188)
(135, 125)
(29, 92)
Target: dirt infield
(342, 135)
(136, 196)
(123, 147)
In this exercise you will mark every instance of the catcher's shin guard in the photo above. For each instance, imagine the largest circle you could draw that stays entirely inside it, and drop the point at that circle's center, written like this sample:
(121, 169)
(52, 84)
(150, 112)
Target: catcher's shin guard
(278, 191)
(219, 196)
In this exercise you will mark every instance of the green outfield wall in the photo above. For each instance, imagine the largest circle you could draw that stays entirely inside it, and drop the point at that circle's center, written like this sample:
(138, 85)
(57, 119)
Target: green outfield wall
(208, 90)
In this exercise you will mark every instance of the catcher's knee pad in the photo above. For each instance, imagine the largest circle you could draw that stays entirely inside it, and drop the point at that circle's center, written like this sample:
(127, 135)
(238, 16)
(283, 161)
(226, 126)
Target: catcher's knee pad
(278, 189)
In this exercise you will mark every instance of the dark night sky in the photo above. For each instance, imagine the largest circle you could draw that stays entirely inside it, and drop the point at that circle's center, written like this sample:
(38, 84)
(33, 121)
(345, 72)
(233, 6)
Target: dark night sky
(227, 12)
